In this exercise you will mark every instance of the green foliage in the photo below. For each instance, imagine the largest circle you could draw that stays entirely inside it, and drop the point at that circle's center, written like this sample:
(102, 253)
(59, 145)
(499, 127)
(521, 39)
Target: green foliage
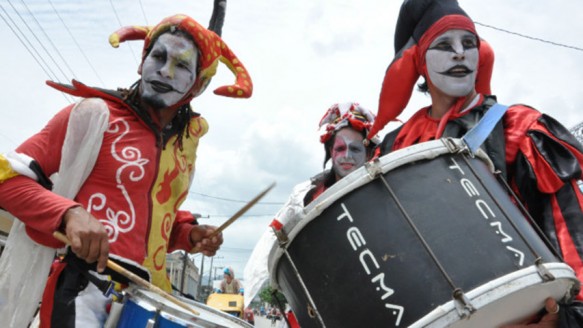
(267, 295)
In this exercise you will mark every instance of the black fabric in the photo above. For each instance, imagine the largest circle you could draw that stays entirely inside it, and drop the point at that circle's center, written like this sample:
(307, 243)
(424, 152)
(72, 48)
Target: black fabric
(43, 180)
(571, 316)
(386, 145)
(562, 161)
(81, 265)
(559, 131)
(69, 284)
(572, 214)
(416, 16)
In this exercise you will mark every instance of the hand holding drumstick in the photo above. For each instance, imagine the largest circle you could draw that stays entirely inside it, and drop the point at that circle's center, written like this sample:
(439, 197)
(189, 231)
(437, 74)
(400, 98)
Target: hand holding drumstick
(135, 279)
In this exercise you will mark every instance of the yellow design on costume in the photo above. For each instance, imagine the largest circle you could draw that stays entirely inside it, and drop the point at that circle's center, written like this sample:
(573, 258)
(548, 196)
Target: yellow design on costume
(6, 171)
(176, 169)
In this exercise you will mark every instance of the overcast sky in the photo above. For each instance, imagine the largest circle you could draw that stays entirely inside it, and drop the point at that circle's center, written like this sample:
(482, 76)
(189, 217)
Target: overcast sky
(302, 55)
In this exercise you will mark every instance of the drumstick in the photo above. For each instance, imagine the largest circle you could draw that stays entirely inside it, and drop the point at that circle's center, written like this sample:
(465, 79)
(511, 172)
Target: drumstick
(237, 215)
(135, 278)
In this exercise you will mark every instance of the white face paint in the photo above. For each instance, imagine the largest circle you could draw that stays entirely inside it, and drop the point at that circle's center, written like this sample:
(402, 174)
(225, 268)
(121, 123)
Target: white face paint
(452, 62)
(348, 153)
(169, 70)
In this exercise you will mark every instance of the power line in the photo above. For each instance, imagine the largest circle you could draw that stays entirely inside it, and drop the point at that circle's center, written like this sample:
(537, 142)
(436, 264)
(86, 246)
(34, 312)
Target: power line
(143, 12)
(28, 49)
(37, 39)
(233, 200)
(52, 74)
(529, 37)
(77, 44)
(121, 25)
(49, 39)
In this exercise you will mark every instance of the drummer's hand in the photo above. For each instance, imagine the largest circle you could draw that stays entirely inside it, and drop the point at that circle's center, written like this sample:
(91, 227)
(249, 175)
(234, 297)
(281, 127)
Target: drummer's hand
(549, 320)
(88, 237)
(199, 237)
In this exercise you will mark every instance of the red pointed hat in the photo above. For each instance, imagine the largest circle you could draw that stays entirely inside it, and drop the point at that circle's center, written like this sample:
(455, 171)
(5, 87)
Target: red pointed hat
(419, 23)
(212, 50)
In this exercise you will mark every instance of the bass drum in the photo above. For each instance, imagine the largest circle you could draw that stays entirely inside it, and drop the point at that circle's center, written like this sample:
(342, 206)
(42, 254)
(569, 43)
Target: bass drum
(424, 237)
(143, 308)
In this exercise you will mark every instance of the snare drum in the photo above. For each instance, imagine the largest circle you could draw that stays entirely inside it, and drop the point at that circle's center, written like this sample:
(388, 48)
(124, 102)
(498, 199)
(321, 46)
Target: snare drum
(424, 237)
(143, 308)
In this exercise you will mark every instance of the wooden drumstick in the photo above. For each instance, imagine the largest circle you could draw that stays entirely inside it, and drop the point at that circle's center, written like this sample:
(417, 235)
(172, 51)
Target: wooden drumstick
(237, 215)
(135, 278)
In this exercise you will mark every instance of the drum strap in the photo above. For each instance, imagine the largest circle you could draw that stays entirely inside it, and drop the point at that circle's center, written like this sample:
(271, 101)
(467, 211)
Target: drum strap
(480, 132)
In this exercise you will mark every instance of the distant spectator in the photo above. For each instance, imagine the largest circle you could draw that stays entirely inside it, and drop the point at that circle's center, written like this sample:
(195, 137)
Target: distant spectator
(230, 285)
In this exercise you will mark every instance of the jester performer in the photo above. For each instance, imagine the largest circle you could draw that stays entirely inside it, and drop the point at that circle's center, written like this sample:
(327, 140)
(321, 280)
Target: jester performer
(538, 157)
(125, 161)
(343, 128)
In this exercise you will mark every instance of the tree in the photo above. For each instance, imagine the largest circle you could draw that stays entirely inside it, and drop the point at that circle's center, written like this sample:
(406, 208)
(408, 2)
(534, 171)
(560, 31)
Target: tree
(267, 295)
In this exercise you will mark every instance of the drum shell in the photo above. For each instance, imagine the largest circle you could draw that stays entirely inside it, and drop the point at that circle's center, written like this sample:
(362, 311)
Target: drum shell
(375, 269)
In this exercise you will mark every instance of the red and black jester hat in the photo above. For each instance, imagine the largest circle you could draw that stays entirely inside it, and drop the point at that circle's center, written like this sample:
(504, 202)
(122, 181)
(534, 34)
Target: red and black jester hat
(419, 23)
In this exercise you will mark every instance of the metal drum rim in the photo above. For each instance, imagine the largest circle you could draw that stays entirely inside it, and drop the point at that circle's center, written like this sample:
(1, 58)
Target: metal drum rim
(205, 310)
(502, 287)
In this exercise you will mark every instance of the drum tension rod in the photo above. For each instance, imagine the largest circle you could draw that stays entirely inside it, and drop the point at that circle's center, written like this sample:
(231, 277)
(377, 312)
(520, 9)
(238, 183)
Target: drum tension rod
(373, 168)
(543, 271)
(462, 304)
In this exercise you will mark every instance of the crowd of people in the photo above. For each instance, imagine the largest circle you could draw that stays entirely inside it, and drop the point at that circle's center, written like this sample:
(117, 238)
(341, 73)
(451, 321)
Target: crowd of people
(116, 150)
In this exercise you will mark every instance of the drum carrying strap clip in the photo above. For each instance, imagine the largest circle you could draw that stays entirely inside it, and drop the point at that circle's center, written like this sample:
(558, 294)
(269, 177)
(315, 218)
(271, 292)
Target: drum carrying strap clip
(542, 270)
(462, 304)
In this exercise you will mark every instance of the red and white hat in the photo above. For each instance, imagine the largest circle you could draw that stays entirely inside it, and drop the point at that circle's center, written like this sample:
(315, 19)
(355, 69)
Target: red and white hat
(342, 115)
(419, 23)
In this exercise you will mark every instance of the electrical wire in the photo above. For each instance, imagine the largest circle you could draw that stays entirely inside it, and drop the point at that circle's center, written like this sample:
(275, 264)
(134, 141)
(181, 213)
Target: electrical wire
(233, 200)
(121, 25)
(38, 40)
(143, 12)
(529, 37)
(49, 40)
(77, 44)
(43, 67)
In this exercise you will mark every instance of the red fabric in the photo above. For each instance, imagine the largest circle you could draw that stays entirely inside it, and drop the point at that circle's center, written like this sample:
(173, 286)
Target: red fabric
(421, 127)
(397, 88)
(47, 301)
(293, 322)
(276, 224)
(46, 216)
(181, 231)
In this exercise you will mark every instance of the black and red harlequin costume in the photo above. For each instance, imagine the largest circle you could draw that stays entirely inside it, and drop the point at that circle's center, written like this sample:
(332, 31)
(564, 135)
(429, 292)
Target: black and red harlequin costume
(141, 176)
(540, 159)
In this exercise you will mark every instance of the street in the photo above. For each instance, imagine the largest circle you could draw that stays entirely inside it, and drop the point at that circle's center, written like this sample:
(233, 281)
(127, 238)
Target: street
(262, 322)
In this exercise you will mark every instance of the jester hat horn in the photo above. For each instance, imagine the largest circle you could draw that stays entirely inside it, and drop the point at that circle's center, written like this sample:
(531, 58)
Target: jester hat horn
(419, 23)
(212, 50)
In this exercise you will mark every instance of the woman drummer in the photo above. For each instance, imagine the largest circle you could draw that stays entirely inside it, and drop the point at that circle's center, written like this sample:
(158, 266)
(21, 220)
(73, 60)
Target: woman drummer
(540, 159)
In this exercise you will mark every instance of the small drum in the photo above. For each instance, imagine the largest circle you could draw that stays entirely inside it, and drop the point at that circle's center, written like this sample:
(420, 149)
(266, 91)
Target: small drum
(424, 237)
(143, 308)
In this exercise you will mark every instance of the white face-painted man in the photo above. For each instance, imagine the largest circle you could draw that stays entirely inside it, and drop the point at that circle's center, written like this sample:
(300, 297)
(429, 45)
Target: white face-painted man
(348, 152)
(452, 62)
(169, 70)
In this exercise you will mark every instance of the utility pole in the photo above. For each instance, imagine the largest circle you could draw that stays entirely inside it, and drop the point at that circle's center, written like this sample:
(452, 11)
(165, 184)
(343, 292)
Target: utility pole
(200, 276)
(185, 259)
(184, 266)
